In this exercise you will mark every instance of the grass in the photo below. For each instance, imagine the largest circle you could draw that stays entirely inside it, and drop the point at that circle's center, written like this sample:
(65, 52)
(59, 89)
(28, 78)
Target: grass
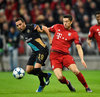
(26, 87)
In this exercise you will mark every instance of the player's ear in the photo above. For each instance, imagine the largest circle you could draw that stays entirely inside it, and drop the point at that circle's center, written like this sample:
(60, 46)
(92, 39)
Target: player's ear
(71, 22)
(24, 22)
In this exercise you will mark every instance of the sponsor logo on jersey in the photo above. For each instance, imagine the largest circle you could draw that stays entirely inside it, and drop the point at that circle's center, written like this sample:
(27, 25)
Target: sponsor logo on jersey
(28, 31)
(62, 37)
(28, 39)
(59, 35)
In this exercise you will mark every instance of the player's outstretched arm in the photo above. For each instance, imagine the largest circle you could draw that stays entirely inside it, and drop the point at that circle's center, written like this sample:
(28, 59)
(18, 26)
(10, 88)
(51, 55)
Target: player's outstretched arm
(89, 42)
(80, 52)
(45, 29)
(38, 28)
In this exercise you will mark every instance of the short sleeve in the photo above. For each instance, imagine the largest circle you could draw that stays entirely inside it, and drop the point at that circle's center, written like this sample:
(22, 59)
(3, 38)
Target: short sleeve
(91, 33)
(34, 25)
(52, 28)
(77, 39)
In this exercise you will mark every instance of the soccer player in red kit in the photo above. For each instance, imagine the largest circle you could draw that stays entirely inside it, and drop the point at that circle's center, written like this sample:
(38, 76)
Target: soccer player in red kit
(60, 56)
(95, 32)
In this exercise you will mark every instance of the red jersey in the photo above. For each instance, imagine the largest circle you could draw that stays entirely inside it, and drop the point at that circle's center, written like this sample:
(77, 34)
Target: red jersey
(95, 33)
(63, 38)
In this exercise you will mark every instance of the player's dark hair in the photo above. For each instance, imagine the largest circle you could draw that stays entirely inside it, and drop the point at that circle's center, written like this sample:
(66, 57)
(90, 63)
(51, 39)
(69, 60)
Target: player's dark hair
(97, 12)
(20, 19)
(68, 16)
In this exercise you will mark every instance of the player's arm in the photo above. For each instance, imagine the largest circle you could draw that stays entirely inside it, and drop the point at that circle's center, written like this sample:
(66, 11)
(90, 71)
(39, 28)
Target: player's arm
(80, 52)
(45, 29)
(90, 36)
(89, 41)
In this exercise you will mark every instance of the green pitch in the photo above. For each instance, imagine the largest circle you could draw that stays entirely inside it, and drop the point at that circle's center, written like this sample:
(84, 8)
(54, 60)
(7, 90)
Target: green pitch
(26, 87)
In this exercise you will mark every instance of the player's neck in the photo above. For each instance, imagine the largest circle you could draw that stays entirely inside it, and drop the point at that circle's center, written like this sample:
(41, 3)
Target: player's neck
(68, 28)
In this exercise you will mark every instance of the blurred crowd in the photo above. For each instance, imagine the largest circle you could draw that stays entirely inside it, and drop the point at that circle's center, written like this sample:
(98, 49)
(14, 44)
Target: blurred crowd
(46, 12)
(43, 12)
(49, 12)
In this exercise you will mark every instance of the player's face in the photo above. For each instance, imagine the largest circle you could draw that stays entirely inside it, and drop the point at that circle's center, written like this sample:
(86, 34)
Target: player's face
(20, 25)
(98, 18)
(67, 23)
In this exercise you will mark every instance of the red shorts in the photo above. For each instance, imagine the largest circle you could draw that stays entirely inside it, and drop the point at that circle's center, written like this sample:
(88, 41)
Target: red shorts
(59, 60)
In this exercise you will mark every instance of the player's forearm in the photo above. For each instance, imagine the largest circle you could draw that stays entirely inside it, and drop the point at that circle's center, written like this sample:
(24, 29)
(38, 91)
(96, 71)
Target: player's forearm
(80, 51)
(45, 29)
(89, 41)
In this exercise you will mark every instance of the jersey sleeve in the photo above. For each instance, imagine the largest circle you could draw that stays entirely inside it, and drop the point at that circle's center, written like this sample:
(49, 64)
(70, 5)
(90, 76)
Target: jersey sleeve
(52, 28)
(34, 25)
(91, 33)
(77, 39)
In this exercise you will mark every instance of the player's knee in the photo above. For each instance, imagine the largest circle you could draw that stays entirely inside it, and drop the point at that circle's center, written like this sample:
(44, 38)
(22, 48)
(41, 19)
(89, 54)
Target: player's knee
(28, 70)
(76, 72)
(60, 77)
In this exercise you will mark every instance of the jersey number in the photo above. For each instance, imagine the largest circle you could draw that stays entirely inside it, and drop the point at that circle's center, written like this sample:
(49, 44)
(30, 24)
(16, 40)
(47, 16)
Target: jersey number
(41, 57)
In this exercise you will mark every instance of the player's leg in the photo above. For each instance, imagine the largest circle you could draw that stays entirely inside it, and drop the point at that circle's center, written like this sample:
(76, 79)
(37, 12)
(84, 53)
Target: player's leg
(80, 76)
(36, 71)
(56, 60)
(29, 69)
(30, 64)
(33, 67)
(41, 75)
(59, 75)
(41, 57)
(62, 79)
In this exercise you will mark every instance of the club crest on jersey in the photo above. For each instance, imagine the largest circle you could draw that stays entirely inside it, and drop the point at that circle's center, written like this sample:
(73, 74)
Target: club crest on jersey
(58, 29)
(69, 34)
(28, 31)
(97, 29)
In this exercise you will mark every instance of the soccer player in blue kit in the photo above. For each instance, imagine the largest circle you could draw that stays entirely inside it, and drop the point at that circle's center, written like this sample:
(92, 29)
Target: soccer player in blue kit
(40, 51)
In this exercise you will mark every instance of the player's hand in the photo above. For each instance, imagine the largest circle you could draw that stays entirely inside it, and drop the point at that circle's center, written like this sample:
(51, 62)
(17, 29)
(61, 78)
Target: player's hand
(89, 42)
(50, 41)
(38, 28)
(84, 64)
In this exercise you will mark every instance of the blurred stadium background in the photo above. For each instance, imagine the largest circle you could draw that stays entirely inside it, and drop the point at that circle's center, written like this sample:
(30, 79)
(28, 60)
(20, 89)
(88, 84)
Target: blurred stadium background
(48, 12)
